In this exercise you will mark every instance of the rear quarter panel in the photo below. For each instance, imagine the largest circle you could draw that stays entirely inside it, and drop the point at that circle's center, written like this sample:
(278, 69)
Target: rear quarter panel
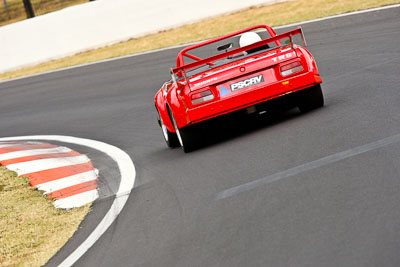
(163, 111)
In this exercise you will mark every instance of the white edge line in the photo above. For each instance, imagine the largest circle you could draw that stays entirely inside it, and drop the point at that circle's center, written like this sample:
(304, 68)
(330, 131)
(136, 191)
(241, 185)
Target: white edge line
(183, 45)
(338, 16)
(128, 175)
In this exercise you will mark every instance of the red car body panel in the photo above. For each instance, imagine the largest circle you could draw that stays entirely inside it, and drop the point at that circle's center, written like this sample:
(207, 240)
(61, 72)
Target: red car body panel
(237, 84)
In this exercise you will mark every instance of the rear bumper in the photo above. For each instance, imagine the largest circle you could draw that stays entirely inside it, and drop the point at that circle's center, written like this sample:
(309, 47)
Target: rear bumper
(245, 98)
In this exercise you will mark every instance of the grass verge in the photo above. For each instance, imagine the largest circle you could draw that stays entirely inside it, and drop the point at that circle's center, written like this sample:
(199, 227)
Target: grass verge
(32, 230)
(274, 15)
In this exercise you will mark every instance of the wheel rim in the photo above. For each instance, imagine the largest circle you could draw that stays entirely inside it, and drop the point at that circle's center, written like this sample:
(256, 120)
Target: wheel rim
(164, 131)
(163, 127)
(178, 134)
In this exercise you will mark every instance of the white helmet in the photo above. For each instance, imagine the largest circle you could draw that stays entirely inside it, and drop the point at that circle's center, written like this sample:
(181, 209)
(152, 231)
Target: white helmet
(249, 38)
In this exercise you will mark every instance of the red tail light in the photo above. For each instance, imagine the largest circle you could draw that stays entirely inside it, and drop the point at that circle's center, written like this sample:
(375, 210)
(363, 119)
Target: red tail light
(202, 97)
(291, 68)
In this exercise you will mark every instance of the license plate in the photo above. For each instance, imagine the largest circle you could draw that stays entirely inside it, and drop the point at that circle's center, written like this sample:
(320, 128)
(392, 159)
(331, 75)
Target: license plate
(247, 82)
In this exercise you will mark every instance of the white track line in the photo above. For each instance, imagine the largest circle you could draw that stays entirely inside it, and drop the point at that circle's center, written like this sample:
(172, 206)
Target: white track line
(309, 166)
(72, 180)
(77, 200)
(33, 152)
(338, 16)
(128, 175)
(45, 164)
(184, 45)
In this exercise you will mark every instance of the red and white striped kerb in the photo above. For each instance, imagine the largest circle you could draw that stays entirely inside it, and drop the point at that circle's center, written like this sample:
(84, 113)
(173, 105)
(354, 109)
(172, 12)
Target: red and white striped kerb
(66, 176)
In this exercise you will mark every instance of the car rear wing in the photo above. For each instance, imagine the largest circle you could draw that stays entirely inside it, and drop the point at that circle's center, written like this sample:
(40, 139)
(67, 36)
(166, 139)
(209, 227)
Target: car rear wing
(185, 52)
(181, 72)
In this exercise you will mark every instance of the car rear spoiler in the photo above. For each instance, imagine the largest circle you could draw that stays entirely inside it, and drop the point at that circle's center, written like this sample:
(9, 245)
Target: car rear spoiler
(181, 71)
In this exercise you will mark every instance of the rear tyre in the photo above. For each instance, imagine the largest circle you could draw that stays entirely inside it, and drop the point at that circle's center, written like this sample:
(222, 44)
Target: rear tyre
(311, 98)
(189, 136)
(171, 139)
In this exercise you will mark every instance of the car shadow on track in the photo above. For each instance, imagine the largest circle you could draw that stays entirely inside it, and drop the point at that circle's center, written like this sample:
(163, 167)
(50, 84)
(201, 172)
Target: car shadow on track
(240, 123)
(232, 126)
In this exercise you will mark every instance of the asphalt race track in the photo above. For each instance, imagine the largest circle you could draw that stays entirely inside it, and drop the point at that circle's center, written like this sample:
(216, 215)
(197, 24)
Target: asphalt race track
(326, 184)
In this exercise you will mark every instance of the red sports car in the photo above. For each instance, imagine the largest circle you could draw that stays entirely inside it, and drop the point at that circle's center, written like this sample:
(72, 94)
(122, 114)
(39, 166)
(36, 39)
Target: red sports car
(245, 70)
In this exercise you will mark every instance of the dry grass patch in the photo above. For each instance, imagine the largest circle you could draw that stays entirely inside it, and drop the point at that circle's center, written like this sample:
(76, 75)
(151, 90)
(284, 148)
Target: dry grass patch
(32, 230)
(273, 15)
